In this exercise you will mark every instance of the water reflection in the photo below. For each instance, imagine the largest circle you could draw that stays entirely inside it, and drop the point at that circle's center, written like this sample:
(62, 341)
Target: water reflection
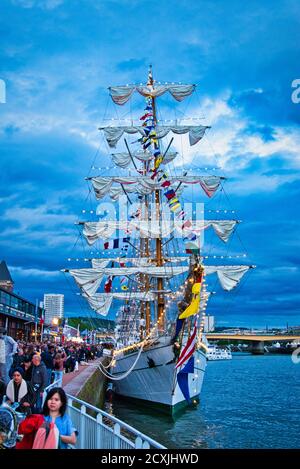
(179, 433)
(247, 402)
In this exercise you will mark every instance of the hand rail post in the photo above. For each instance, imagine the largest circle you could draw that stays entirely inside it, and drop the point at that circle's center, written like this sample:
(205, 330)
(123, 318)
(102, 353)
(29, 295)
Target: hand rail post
(99, 431)
(117, 431)
(82, 427)
(138, 442)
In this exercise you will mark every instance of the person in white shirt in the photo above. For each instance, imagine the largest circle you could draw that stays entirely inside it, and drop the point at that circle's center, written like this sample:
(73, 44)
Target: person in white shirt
(8, 347)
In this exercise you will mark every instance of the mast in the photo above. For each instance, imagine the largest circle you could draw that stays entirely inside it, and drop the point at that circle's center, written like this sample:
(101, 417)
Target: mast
(159, 257)
(147, 283)
(149, 264)
(145, 306)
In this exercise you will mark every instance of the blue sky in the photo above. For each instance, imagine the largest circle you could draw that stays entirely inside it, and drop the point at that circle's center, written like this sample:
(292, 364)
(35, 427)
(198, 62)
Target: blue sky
(57, 59)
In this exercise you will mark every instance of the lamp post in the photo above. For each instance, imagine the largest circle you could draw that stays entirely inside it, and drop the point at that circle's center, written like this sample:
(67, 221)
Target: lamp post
(55, 322)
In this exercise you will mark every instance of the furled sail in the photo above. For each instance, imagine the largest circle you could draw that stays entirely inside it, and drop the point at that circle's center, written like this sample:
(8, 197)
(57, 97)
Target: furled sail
(121, 94)
(100, 304)
(228, 275)
(144, 185)
(97, 230)
(196, 132)
(136, 261)
(124, 159)
(93, 231)
(86, 279)
(89, 279)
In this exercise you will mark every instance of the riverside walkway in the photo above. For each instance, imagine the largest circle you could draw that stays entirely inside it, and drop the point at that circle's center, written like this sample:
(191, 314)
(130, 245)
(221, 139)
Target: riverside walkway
(73, 382)
(98, 429)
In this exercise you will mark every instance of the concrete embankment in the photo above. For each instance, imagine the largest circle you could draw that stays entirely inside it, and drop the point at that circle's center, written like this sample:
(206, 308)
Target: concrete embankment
(89, 384)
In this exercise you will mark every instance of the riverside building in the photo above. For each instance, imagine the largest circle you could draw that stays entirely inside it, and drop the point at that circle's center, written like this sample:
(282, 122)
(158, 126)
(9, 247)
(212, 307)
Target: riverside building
(54, 307)
(19, 316)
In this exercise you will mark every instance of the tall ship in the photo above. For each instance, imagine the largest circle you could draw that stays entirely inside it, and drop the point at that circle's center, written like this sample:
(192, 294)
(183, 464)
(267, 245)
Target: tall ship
(148, 266)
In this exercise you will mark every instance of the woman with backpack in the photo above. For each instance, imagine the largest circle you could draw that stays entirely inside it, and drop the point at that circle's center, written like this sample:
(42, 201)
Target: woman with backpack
(54, 411)
(51, 430)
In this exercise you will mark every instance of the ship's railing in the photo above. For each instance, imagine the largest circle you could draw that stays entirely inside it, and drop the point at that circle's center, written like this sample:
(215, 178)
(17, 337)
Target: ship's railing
(100, 430)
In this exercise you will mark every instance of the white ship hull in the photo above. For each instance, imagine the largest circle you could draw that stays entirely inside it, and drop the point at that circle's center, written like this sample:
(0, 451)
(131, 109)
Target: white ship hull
(158, 384)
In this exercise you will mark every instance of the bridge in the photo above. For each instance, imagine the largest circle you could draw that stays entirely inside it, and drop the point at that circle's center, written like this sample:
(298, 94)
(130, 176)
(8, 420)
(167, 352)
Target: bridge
(252, 337)
(257, 340)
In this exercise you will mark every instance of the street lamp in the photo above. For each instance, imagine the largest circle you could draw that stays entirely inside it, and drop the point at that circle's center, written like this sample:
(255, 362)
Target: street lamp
(55, 321)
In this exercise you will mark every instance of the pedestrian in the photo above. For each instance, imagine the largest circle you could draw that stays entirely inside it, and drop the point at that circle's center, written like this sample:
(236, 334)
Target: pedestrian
(18, 391)
(27, 365)
(39, 380)
(8, 347)
(30, 351)
(54, 411)
(71, 361)
(58, 363)
(18, 358)
(47, 359)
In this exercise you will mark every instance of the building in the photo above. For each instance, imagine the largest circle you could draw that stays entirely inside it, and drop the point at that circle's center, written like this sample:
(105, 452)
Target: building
(54, 307)
(20, 317)
(70, 332)
(6, 282)
(294, 330)
(209, 323)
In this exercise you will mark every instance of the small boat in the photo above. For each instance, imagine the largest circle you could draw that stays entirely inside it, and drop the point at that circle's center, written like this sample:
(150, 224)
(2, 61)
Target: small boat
(216, 353)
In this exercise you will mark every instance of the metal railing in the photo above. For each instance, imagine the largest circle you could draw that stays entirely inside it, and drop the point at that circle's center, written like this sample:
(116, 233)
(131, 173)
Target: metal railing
(100, 430)
(55, 384)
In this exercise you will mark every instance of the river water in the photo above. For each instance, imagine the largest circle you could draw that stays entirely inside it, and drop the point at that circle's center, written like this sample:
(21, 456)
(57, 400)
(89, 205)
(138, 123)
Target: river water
(247, 402)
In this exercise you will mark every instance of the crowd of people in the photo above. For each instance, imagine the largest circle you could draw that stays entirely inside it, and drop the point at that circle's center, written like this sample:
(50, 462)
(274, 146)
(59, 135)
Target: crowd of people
(33, 368)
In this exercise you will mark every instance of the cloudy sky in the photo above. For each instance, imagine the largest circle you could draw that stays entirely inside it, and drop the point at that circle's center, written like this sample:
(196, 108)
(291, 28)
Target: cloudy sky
(57, 59)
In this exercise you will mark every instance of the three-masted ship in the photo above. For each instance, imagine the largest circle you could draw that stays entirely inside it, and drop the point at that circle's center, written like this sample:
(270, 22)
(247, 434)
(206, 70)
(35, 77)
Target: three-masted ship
(154, 266)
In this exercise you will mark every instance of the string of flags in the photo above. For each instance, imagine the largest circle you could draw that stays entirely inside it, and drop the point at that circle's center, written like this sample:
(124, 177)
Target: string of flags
(117, 243)
(122, 243)
(150, 138)
(108, 284)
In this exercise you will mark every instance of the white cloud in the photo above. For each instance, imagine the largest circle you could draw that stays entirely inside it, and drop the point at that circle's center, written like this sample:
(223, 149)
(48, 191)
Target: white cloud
(230, 146)
(48, 216)
(47, 101)
(44, 4)
(21, 272)
(277, 272)
(79, 109)
(45, 225)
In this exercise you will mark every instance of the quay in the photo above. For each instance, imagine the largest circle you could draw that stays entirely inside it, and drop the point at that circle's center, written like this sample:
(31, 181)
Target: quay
(96, 428)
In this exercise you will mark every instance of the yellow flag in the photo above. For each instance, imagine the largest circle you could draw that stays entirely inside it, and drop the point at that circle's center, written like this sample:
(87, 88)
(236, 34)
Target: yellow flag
(196, 288)
(158, 162)
(193, 308)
